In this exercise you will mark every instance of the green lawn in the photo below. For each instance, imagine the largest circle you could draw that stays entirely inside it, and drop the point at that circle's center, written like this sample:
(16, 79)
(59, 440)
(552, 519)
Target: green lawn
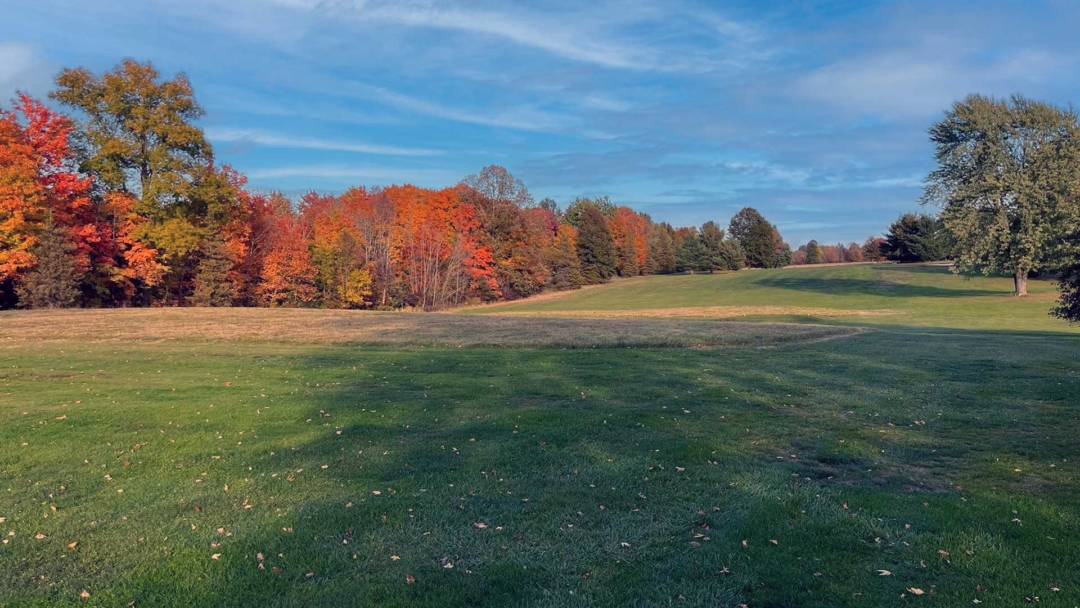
(903, 294)
(249, 470)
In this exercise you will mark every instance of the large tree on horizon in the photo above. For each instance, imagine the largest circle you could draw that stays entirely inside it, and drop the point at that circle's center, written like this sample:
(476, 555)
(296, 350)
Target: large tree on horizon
(759, 240)
(1006, 183)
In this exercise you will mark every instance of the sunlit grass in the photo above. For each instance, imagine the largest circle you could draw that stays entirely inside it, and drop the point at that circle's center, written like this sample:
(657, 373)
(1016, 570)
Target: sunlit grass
(436, 460)
(885, 294)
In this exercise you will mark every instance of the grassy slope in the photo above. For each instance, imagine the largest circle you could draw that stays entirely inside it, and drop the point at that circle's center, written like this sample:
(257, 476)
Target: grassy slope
(946, 456)
(919, 295)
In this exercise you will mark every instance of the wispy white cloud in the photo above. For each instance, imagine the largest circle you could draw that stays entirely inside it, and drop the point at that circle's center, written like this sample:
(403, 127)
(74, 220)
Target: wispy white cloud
(283, 141)
(530, 31)
(523, 118)
(616, 35)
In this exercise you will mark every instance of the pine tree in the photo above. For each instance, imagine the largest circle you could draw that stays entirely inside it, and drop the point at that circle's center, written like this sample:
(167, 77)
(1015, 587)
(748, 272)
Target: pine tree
(784, 256)
(660, 258)
(564, 264)
(212, 284)
(595, 247)
(731, 256)
(915, 238)
(54, 281)
(690, 253)
(626, 258)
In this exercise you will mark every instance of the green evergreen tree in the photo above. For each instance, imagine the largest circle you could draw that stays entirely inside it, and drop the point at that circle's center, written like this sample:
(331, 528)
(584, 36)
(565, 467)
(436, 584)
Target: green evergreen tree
(212, 284)
(758, 238)
(813, 252)
(731, 255)
(915, 238)
(784, 256)
(564, 265)
(595, 247)
(626, 258)
(690, 253)
(661, 250)
(54, 281)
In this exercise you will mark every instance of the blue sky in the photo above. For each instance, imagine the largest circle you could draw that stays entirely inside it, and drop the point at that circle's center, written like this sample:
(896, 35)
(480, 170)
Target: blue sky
(813, 112)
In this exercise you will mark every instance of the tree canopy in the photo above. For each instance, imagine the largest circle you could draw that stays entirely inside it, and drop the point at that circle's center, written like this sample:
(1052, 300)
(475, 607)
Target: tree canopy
(915, 238)
(759, 240)
(1005, 183)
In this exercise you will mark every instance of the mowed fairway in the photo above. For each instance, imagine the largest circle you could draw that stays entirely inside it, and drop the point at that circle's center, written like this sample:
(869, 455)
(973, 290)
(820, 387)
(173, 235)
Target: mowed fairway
(882, 294)
(925, 456)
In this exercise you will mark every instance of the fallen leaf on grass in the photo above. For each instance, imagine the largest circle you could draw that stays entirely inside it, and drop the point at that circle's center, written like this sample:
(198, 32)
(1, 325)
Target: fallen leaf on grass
(40, 536)
(72, 545)
(215, 556)
(884, 573)
(409, 579)
(916, 591)
(395, 558)
(84, 594)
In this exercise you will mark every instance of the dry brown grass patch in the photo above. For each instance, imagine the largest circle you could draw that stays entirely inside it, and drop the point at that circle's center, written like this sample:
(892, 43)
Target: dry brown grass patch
(366, 327)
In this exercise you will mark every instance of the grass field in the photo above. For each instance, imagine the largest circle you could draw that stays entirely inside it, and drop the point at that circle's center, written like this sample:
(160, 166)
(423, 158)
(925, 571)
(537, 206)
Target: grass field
(887, 294)
(279, 458)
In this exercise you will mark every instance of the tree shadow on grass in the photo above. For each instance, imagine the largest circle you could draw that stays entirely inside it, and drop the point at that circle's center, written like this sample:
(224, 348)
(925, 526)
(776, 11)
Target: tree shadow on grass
(525, 470)
(538, 478)
(870, 287)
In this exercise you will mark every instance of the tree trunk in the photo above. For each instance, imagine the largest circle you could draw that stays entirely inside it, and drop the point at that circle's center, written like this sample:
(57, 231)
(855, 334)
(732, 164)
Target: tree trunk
(1020, 283)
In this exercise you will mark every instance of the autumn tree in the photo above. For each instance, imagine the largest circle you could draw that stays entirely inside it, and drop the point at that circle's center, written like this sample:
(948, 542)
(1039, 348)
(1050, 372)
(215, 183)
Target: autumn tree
(287, 276)
(498, 200)
(39, 183)
(854, 253)
(813, 252)
(595, 247)
(1006, 182)
(872, 249)
(139, 140)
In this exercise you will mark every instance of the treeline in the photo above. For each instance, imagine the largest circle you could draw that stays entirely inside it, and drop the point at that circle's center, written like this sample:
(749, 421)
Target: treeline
(815, 253)
(911, 238)
(128, 206)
